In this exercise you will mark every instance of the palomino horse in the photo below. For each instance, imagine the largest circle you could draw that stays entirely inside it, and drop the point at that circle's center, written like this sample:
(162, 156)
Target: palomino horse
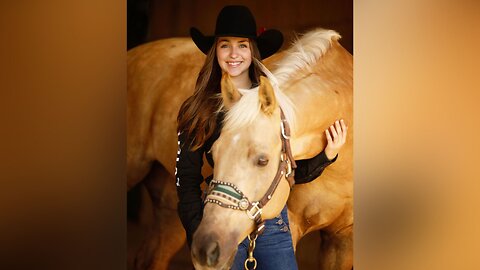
(315, 74)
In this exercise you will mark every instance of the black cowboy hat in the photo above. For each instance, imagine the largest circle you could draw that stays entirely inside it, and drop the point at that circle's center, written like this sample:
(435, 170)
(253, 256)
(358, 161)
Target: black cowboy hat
(238, 21)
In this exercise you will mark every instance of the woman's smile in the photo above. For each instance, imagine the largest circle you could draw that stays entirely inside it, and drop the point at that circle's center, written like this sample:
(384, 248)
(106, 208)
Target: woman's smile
(234, 64)
(234, 56)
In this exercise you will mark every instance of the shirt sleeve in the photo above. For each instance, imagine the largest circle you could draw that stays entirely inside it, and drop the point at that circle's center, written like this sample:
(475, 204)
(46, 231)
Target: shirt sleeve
(188, 174)
(309, 169)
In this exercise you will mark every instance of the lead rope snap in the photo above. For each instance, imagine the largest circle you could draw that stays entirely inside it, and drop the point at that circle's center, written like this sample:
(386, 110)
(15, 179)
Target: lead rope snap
(250, 258)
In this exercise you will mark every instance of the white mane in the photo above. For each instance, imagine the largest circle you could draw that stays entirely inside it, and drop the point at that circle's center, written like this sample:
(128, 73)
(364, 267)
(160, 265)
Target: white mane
(305, 52)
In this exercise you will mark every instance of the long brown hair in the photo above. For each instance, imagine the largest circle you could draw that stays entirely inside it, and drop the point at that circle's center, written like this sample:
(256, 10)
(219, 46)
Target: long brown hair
(197, 116)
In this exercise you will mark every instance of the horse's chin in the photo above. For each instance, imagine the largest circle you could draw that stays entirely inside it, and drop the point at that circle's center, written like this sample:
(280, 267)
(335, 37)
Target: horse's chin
(229, 262)
(226, 266)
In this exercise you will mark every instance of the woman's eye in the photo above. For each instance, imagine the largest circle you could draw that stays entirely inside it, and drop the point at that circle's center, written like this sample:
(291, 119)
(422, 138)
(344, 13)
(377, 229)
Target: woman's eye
(223, 46)
(243, 46)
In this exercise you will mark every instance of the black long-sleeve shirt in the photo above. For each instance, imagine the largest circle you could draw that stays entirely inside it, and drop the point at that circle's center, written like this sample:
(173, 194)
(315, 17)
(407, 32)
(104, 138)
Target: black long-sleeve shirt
(189, 177)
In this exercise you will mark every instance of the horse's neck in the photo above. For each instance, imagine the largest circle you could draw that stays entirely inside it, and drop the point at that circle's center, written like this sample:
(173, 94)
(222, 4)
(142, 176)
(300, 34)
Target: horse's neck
(321, 97)
(313, 117)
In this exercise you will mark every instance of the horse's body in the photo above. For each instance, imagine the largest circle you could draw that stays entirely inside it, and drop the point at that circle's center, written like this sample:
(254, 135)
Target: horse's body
(161, 75)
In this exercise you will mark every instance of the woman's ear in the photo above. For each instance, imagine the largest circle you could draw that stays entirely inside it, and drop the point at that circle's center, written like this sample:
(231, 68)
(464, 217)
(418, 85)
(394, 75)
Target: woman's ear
(266, 95)
(230, 93)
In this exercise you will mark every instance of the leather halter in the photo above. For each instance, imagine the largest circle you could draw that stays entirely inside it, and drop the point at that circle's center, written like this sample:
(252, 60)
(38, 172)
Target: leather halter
(227, 195)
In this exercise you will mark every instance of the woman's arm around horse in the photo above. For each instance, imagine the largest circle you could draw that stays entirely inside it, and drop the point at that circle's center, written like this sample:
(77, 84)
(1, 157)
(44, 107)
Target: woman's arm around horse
(309, 169)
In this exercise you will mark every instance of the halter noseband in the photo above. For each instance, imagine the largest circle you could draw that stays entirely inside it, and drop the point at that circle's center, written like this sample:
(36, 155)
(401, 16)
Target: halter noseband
(228, 195)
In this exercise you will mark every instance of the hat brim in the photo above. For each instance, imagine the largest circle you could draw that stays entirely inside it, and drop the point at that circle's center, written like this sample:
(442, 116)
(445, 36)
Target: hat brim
(269, 42)
(204, 43)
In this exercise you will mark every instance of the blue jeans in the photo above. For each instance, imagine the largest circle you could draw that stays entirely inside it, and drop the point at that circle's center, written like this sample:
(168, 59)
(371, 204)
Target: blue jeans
(274, 248)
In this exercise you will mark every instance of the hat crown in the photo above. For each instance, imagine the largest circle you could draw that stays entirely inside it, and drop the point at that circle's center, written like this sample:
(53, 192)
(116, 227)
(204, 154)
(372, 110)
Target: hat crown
(236, 21)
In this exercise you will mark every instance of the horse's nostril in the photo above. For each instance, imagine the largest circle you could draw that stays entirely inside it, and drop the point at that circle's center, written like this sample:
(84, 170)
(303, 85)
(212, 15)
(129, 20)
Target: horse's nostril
(213, 252)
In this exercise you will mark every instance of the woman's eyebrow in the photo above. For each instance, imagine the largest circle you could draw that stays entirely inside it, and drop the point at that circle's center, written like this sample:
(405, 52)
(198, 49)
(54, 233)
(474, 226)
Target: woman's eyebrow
(227, 40)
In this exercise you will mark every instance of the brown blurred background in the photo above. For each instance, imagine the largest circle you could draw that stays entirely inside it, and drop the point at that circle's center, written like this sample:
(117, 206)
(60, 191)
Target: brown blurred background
(149, 20)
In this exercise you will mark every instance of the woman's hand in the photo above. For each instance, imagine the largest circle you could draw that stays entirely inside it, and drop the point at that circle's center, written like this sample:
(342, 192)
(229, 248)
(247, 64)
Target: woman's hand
(336, 137)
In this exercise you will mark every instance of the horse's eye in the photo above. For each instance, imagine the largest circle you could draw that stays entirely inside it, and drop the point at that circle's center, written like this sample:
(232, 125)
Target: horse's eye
(262, 161)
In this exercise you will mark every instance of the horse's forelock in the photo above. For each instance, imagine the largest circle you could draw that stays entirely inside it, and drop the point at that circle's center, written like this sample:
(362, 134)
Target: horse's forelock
(247, 109)
(304, 53)
(244, 112)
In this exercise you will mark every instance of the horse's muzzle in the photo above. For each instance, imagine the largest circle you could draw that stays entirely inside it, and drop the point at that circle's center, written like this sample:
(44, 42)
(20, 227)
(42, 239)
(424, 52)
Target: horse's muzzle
(211, 252)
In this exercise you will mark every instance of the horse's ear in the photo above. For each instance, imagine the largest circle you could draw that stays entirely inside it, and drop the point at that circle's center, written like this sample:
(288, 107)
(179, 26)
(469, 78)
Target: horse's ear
(267, 96)
(230, 93)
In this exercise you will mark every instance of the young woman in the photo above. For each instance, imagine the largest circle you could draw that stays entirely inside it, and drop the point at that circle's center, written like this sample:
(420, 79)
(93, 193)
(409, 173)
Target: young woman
(235, 48)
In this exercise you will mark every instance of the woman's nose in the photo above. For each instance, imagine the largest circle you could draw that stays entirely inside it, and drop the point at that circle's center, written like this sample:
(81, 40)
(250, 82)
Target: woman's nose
(233, 53)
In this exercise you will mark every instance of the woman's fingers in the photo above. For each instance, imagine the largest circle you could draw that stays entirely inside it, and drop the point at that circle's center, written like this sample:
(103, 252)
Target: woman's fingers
(334, 132)
(337, 133)
(339, 130)
(344, 128)
(329, 138)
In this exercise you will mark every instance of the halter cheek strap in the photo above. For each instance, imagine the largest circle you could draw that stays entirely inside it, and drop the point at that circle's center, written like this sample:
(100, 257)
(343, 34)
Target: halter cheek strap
(287, 150)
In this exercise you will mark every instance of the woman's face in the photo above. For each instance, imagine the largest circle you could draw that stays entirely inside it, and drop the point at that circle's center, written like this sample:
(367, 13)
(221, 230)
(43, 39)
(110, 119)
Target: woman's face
(234, 56)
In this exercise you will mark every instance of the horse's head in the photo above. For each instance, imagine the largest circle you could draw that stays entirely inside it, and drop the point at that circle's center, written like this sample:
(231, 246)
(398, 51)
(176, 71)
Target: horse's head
(249, 174)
